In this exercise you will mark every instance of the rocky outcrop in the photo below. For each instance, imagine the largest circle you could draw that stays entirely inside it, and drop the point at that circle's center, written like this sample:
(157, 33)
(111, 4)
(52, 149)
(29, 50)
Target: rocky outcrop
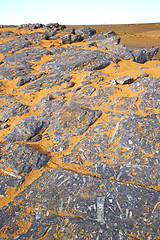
(79, 142)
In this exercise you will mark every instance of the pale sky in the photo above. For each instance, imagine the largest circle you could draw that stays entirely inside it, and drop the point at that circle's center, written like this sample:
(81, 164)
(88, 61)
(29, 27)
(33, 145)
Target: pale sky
(79, 12)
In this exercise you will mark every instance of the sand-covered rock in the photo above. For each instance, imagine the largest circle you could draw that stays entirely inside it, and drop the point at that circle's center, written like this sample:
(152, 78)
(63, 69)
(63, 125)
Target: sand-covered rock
(79, 135)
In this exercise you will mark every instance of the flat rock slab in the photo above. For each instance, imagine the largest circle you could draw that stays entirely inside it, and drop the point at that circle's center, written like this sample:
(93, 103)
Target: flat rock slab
(14, 45)
(61, 203)
(21, 157)
(11, 107)
(9, 179)
(90, 97)
(19, 64)
(68, 59)
(129, 154)
(24, 130)
(71, 120)
(124, 104)
(46, 82)
(149, 94)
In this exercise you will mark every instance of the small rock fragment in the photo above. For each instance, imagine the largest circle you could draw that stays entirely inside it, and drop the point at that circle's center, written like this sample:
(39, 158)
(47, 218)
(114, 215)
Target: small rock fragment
(70, 84)
(124, 80)
(113, 82)
(3, 126)
(142, 75)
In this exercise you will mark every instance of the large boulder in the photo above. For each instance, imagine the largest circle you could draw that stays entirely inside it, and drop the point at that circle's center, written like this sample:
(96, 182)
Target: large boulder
(85, 31)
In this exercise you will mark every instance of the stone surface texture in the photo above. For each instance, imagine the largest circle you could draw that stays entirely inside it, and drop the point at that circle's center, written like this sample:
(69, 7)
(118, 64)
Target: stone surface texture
(79, 135)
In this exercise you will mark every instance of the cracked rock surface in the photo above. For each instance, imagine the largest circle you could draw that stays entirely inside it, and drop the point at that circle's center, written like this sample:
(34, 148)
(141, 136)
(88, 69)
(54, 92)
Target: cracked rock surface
(79, 135)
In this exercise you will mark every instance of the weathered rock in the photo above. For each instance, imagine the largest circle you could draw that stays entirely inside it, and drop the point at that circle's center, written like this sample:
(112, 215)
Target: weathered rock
(85, 31)
(65, 39)
(14, 45)
(55, 26)
(103, 137)
(24, 130)
(77, 38)
(139, 56)
(11, 108)
(49, 33)
(124, 104)
(113, 82)
(133, 136)
(121, 52)
(104, 40)
(19, 64)
(70, 84)
(10, 73)
(28, 78)
(142, 75)
(109, 209)
(124, 80)
(145, 84)
(3, 126)
(90, 97)
(31, 26)
(46, 82)
(68, 59)
(21, 158)
(9, 179)
(71, 120)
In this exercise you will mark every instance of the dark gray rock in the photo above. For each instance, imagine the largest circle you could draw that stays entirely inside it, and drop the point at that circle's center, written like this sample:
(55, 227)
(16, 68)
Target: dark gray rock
(46, 82)
(149, 93)
(70, 84)
(145, 84)
(150, 100)
(49, 33)
(24, 130)
(91, 98)
(21, 158)
(63, 62)
(10, 73)
(150, 52)
(28, 78)
(14, 45)
(104, 39)
(19, 64)
(125, 154)
(70, 120)
(121, 52)
(11, 108)
(7, 180)
(31, 55)
(101, 36)
(85, 31)
(142, 75)
(124, 80)
(109, 209)
(73, 58)
(124, 104)
(139, 56)
(4, 126)
(65, 39)
(113, 82)
(145, 54)
(77, 38)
